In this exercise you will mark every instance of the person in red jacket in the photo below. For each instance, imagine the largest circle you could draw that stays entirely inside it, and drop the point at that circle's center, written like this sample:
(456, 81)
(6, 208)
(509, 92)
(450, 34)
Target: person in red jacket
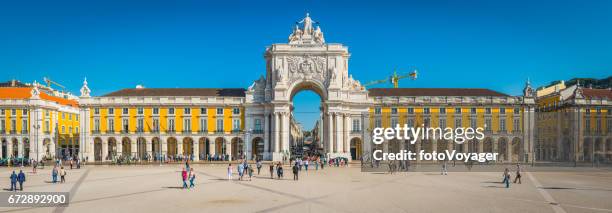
(184, 174)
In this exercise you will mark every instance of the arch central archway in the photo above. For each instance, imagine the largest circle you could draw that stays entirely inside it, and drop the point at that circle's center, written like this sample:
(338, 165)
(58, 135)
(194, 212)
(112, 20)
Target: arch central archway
(306, 119)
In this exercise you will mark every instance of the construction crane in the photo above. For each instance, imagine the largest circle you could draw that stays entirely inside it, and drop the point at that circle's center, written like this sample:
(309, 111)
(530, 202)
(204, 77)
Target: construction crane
(49, 82)
(394, 79)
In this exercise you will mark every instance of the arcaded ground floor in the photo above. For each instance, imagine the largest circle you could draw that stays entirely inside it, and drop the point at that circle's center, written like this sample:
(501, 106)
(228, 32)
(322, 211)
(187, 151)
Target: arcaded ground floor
(154, 188)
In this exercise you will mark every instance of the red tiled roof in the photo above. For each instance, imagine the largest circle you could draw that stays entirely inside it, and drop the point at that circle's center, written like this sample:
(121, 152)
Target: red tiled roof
(25, 93)
(597, 93)
(223, 92)
(379, 92)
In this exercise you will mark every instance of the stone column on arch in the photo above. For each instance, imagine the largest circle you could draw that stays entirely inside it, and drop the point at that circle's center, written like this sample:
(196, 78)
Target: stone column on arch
(267, 124)
(286, 128)
(276, 131)
(338, 132)
(509, 149)
(195, 148)
(20, 147)
(228, 147)
(346, 145)
(330, 132)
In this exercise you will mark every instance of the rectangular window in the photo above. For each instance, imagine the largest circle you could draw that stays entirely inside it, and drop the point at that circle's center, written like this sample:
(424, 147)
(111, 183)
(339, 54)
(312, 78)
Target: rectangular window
(426, 110)
(598, 110)
(203, 111)
(187, 125)
(96, 111)
(76, 130)
(76, 118)
(442, 110)
(236, 111)
(126, 111)
(155, 125)
(47, 126)
(111, 111)
(393, 122)
(63, 115)
(2, 126)
(24, 125)
(598, 125)
(516, 125)
(588, 111)
(356, 125)
(203, 125)
(140, 110)
(458, 123)
(410, 123)
(170, 111)
(517, 111)
(63, 129)
(488, 111)
(411, 111)
(46, 113)
(394, 111)
(140, 125)
(426, 122)
(69, 130)
(171, 125)
(473, 110)
(258, 125)
(220, 124)
(473, 123)
(442, 123)
(236, 125)
(13, 125)
(219, 111)
(458, 111)
(126, 125)
(111, 124)
(187, 111)
(13, 112)
(25, 111)
(377, 123)
(2, 112)
(155, 111)
(502, 111)
(587, 125)
(377, 111)
(96, 125)
(488, 124)
(502, 125)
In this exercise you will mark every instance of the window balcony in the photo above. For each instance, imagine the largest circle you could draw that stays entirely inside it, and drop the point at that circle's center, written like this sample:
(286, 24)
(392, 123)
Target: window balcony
(258, 131)
(24, 132)
(139, 130)
(95, 132)
(236, 131)
(488, 131)
(47, 132)
(155, 131)
(171, 131)
(502, 131)
(203, 131)
(187, 131)
(516, 131)
(13, 132)
(220, 131)
(125, 131)
(110, 131)
(355, 131)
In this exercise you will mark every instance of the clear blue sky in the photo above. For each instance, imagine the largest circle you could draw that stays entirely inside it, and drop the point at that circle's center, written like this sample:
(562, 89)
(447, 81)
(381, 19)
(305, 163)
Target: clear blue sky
(118, 44)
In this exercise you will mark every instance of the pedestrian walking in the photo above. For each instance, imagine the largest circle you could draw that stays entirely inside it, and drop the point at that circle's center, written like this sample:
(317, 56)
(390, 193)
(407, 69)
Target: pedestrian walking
(271, 171)
(518, 174)
(192, 179)
(13, 178)
(62, 174)
(21, 178)
(184, 177)
(444, 168)
(279, 170)
(34, 165)
(250, 170)
(296, 170)
(229, 172)
(240, 171)
(258, 166)
(506, 178)
(71, 163)
(54, 174)
(306, 164)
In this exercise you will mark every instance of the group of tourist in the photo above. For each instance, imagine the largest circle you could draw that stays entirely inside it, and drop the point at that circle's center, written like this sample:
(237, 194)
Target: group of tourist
(507, 177)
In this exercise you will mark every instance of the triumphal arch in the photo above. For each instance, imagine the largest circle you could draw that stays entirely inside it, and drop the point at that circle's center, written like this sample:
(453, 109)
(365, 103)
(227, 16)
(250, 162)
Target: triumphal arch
(305, 62)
